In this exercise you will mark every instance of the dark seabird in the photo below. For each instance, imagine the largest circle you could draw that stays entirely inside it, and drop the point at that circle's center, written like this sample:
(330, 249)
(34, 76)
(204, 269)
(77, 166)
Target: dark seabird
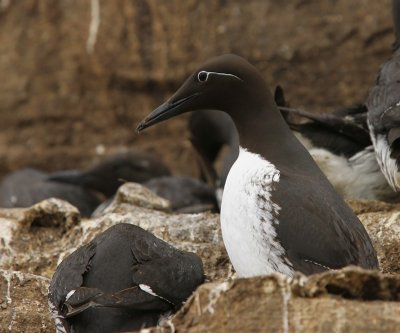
(186, 194)
(340, 144)
(279, 212)
(383, 105)
(26, 187)
(123, 280)
(109, 174)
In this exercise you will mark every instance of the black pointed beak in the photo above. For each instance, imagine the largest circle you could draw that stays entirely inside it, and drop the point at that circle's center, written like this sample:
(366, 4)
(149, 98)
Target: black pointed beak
(165, 111)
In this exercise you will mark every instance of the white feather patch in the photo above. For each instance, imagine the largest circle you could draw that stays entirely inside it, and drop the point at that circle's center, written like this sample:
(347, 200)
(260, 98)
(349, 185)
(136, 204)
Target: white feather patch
(147, 289)
(358, 177)
(387, 164)
(249, 216)
(56, 316)
(69, 295)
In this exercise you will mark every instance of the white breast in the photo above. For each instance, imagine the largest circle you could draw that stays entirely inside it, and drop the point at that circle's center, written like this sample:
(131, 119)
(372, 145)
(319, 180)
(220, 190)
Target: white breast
(249, 217)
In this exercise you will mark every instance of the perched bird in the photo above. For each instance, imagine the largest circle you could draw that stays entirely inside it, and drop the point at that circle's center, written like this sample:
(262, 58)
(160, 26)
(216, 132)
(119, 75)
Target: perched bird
(123, 280)
(109, 174)
(383, 104)
(186, 194)
(343, 132)
(340, 144)
(279, 212)
(26, 187)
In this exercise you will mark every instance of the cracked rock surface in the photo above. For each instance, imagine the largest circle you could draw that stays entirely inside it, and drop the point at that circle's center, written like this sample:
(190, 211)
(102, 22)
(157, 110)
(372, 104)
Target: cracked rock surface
(348, 300)
(34, 240)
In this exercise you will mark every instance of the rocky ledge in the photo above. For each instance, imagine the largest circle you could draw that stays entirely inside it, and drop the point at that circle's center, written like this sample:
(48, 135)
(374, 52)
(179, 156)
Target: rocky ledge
(34, 240)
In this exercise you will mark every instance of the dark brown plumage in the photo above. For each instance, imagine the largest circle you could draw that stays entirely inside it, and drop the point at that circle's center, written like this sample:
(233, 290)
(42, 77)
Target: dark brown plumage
(313, 225)
(123, 280)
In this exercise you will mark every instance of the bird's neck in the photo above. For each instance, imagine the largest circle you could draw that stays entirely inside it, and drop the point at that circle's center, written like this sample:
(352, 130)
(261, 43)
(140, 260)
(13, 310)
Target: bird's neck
(262, 130)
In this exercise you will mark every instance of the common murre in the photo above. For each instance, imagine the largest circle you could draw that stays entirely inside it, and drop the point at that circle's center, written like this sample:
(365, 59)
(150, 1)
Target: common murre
(383, 105)
(340, 144)
(28, 186)
(107, 175)
(185, 194)
(123, 280)
(279, 212)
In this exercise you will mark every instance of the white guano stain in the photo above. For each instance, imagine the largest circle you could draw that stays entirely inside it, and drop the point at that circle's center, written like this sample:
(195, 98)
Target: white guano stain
(8, 277)
(214, 295)
(7, 228)
(286, 295)
(94, 25)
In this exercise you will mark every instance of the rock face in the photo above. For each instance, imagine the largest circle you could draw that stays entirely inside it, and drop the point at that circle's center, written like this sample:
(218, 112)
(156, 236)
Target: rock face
(38, 238)
(30, 237)
(23, 303)
(382, 221)
(85, 72)
(34, 240)
(349, 300)
(385, 237)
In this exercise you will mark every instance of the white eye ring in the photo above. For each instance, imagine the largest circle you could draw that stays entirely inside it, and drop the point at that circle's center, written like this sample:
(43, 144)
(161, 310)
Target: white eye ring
(202, 76)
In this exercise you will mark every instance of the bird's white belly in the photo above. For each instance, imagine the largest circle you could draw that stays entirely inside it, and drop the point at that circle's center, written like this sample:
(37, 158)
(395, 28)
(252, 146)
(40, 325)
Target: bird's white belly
(249, 217)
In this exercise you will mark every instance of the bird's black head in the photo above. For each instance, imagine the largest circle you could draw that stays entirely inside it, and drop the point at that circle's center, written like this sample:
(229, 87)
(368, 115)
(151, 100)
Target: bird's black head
(222, 83)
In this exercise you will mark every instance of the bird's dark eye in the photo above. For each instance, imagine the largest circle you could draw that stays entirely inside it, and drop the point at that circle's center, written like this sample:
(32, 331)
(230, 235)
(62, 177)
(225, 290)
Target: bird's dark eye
(202, 76)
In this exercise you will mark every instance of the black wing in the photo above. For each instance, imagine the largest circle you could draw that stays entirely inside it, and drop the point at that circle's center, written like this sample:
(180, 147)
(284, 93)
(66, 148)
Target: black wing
(344, 132)
(131, 298)
(322, 232)
(69, 274)
(170, 274)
